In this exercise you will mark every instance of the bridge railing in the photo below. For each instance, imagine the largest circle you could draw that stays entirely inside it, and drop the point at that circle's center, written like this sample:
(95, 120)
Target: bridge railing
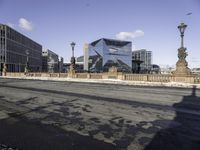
(129, 77)
(197, 79)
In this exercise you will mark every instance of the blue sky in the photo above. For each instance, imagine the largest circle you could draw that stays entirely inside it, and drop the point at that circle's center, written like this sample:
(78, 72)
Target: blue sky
(149, 24)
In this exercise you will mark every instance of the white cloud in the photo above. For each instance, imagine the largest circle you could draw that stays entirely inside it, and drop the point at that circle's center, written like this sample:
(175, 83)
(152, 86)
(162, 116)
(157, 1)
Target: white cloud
(24, 24)
(129, 35)
(124, 35)
(138, 33)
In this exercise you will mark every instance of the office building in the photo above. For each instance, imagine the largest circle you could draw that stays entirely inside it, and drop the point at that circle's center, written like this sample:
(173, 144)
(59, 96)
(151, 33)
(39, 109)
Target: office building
(86, 57)
(15, 48)
(141, 61)
(61, 61)
(50, 61)
(103, 54)
(80, 59)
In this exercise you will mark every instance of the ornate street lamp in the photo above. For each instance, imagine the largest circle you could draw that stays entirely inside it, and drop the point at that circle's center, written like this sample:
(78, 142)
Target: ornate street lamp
(182, 28)
(182, 69)
(73, 45)
(72, 66)
(27, 61)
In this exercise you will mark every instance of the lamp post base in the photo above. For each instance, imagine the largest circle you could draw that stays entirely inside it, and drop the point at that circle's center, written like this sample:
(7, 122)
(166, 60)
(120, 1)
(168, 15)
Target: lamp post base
(72, 71)
(182, 69)
(4, 70)
(26, 70)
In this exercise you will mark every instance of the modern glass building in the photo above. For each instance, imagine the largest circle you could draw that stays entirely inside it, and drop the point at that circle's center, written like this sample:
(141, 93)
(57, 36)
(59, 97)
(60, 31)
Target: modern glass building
(105, 53)
(13, 48)
(142, 59)
(50, 61)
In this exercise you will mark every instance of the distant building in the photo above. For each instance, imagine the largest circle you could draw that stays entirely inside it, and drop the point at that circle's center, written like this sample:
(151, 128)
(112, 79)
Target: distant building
(61, 61)
(78, 66)
(142, 60)
(86, 57)
(80, 59)
(102, 54)
(50, 61)
(66, 66)
(155, 69)
(166, 69)
(13, 47)
(196, 71)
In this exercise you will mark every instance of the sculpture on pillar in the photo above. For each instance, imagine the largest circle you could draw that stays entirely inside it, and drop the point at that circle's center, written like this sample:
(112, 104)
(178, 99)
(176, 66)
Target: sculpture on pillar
(182, 69)
(26, 69)
(4, 69)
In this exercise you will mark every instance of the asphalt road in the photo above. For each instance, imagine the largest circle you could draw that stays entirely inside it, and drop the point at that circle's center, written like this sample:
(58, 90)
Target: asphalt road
(48, 115)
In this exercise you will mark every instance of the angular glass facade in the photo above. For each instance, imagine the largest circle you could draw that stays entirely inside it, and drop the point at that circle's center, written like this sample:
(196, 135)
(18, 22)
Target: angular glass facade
(105, 53)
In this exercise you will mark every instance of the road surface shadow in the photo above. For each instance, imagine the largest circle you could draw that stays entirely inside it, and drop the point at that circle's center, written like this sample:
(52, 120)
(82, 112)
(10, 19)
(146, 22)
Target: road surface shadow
(185, 134)
(133, 103)
(26, 135)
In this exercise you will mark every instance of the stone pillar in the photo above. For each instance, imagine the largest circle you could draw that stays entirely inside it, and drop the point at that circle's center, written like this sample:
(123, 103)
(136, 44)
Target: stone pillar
(4, 69)
(112, 72)
(182, 69)
(26, 70)
(72, 71)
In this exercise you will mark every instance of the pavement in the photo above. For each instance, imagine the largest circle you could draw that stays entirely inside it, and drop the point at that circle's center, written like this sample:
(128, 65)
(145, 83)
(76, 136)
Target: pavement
(68, 115)
(113, 81)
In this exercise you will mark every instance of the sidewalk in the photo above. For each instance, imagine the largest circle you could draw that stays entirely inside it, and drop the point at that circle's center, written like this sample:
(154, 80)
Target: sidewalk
(113, 81)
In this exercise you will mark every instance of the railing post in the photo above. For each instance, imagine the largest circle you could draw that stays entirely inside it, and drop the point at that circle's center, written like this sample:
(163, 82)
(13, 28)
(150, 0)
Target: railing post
(88, 76)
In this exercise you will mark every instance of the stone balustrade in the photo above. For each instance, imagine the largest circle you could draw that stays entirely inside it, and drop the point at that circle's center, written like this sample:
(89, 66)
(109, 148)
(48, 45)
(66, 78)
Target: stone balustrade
(128, 77)
(95, 76)
(135, 77)
(159, 78)
(82, 75)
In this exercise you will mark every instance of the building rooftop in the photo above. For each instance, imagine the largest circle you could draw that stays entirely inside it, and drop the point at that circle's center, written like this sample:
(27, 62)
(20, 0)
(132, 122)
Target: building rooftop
(111, 42)
(20, 33)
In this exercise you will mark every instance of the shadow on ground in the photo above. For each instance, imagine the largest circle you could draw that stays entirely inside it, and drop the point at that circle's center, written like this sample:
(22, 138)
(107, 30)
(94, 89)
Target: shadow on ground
(24, 134)
(185, 133)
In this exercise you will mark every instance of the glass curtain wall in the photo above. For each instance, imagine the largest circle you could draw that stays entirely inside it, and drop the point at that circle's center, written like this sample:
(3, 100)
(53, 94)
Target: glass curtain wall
(106, 53)
(2, 46)
(13, 47)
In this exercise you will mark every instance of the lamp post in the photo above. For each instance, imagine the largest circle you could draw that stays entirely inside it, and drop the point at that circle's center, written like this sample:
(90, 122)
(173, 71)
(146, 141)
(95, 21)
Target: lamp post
(72, 66)
(73, 45)
(27, 62)
(182, 69)
(182, 28)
